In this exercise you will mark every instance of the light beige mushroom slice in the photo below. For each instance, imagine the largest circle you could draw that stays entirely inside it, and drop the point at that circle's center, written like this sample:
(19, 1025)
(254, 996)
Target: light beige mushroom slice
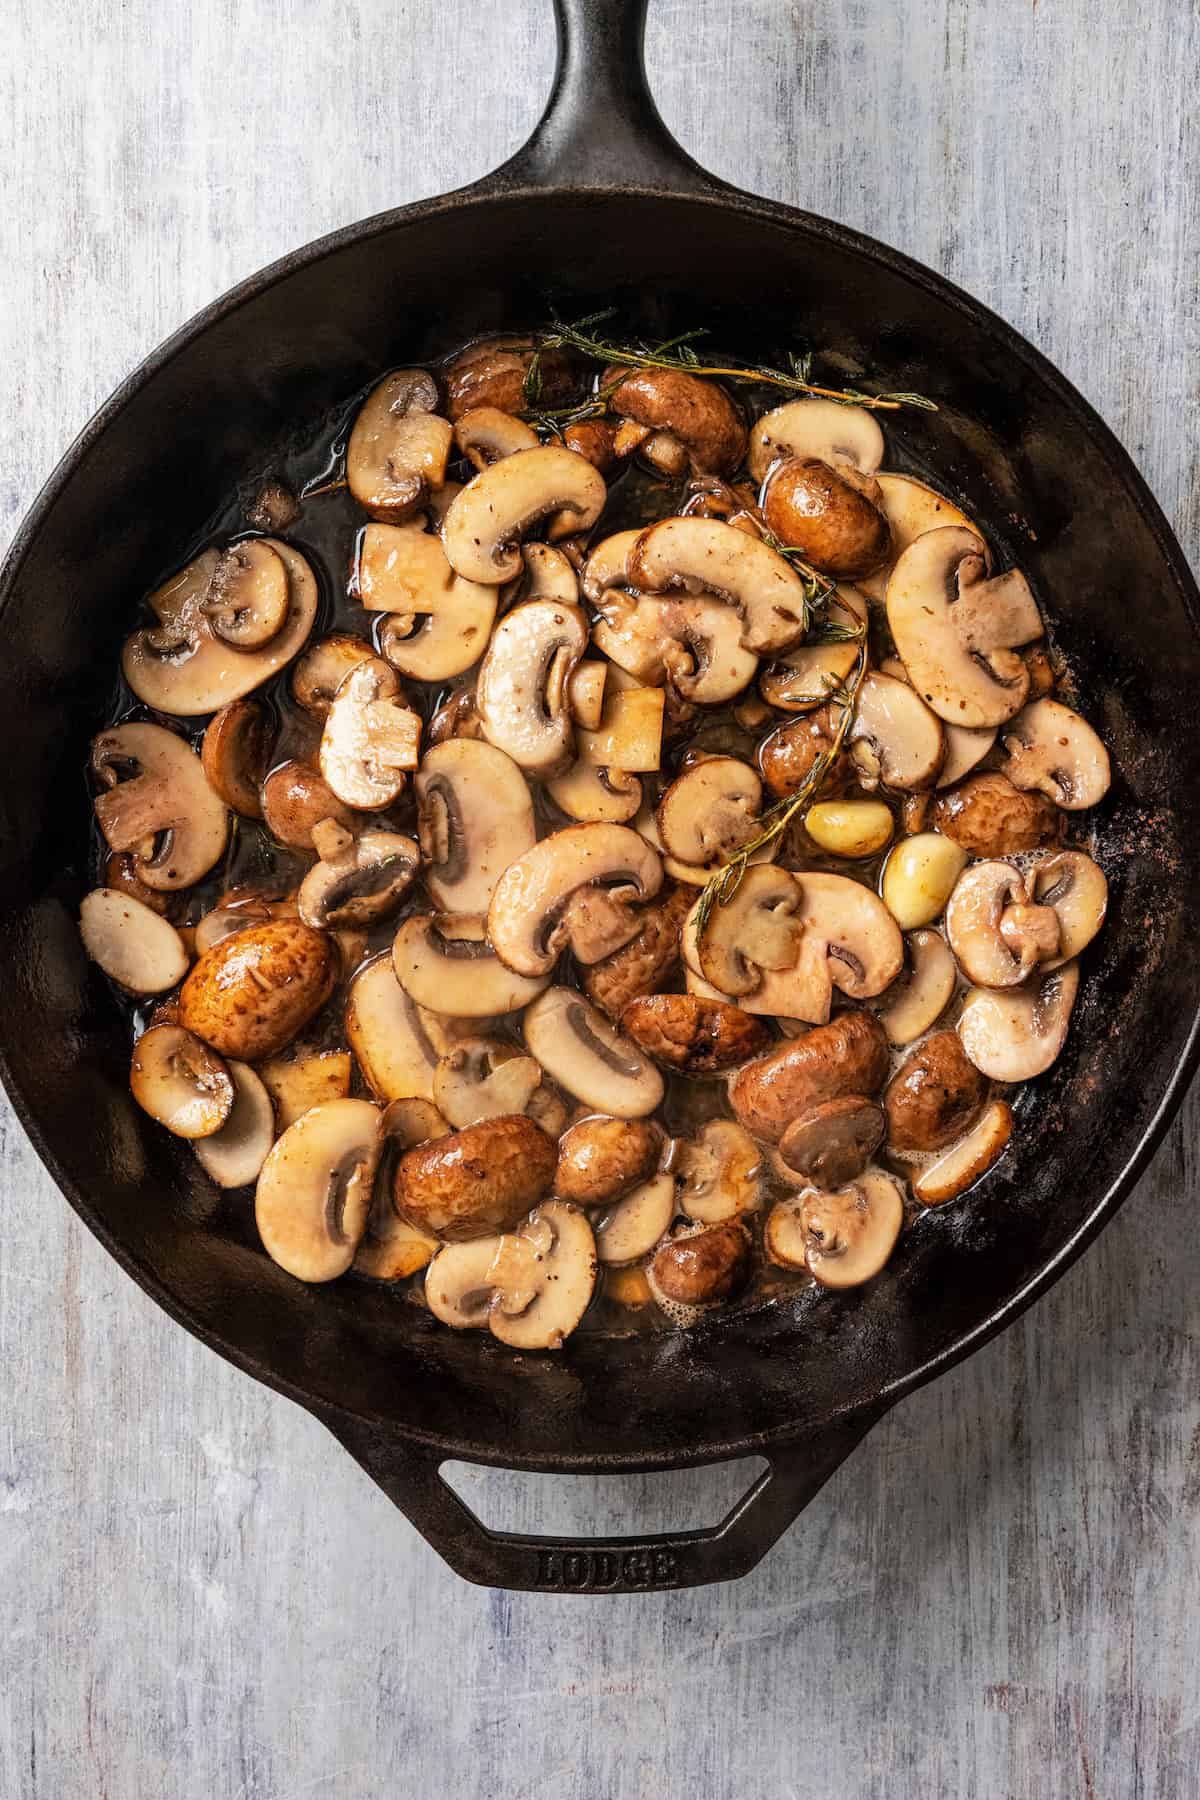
(531, 1287)
(552, 896)
(475, 817)
(371, 738)
(438, 624)
(895, 741)
(233, 1156)
(834, 433)
(805, 678)
(247, 600)
(487, 520)
(484, 434)
(460, 1286)
(719, 1171)
(444, 961)
(631, 1227)
(709, 556)
(399, 447)
(181, 666)
(917, 999)
(522, 693)
(303, 1078)
(159, 804)
(581, 1050)
(314, 1189)
(629, 736)
(363, 882)
(757, 931)
(594, 796)
(132, 944)
(969, 1160)
(1077, 889)
(911, 508)
(484, 1078)
(694, 642)
(1051, 748)
(179, 1081)
(1018, 1033)
(710, 811)
(391, 1248)
(957, 630)
(387, 1035)
(549, 575)
(995, 930)
(607, 565)
(965, 746)
(842, 1238)
(585, 693)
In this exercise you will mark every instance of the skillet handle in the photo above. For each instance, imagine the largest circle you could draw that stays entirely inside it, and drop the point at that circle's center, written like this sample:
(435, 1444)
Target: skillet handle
(410, 1477)
(601, 128)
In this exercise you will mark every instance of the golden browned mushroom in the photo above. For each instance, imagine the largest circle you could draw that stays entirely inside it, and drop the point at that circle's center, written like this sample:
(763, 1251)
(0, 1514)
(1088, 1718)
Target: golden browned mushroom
(935, 1095)
(476, 1181)
(700, 1266)
(158, 803)
(580, 886)
(295, 799)
(493, 371)
(719, 1171)
(252, 993)
(360, 881)
(831, 516)
(967, 1161)
(601, 1158)
(710, 811)
(320, 672)
(695, 414)
(849, 1055)
(833, 1142)
(180, 1082)
(236, 753)
(438, 623)
(694, 1035)
(842, 1238)
(531, 1287)
(988, 816)
(399, 447)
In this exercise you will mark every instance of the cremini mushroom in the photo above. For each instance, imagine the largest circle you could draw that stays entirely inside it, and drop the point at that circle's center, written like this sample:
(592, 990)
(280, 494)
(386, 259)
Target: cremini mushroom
(919, 996)
(399, 447)
(967, 1161)
(303, 1078)
(521, 694)
(236, 754)
(438, 624)
(475, 1181)
(694, 1035)
(493, 371)
(584, 1053)
(247, 600)
(592, 795)
(988, 816)
(320, 671)
(710, 811)
(295, 799)
(181, 666)
(788, 756)
(1050, 748)
(475, 817)
(444, 960)
(834, 1141)
(233, 1155)
(757, 931)
(483, 1078)
(600, 1158)
(842, 1238)
(485, 523)
(1017, 1033)
(1077, 889)
(180, 1081)
(132, 944)
(849, 1055)
(387, 1035)
(895, 741)
(699, 1267)
(995, 929)
(579, 886)
(693, 642)
(314, 1189)
(911, 508)
(254, 992)
(709, 556)
(646, 961)
(844, 437)
(804, 679)
(363, 881)
(957, 630)
(830, 515)
(688, 411)
(371, 738)
(719, 1172)
(531, 1287)
(158, 803)
(933, 1097)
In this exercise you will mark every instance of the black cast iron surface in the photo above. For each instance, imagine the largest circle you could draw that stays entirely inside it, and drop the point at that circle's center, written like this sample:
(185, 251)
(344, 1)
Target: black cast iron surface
(602, 192)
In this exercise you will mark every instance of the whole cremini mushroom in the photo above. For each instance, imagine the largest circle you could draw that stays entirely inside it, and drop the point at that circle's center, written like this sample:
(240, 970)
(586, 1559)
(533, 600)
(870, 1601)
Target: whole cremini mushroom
(849, 1055)
(236, 753)
(988, 816)
(295, 799)
(476, 1181)
(600, 1158)
(935, 1095)
(692, 1034)
(252, 993)
(829, 515)
(701, 1265)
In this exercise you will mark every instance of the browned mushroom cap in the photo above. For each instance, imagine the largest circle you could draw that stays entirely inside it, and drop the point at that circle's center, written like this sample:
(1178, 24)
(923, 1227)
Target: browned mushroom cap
(233, 1156)
(1017, 1034)
(475, 818)
(831, 516)
(364, 881)
(934, 1095)
(487, 520)
(255, 991)
(530, 1287)
(371, 738)
(398, 448)
(719, 1171)
(788, 756)
(236, 753)
(834, 1142)
(988, 816)
(595, 439)
(601, 1158)
(694, 1035)
(294, 799)
(180, 1082)
(1051, 748)
(698, 414)
(709, 556)
(710, 811)
(493, 372)
(585, 1054)
(158, 803)
(969, 1160)
(476, 1181)
(247, 599)
(314, 1190)
(580, 886)
(521, 694)
(646, 961)
(700, 1267)
(457, 717)
(849, 1055)
(995, 931)
(484, 434)
(132, 944)
(120, 872)
(843, 1238)
(320, 672)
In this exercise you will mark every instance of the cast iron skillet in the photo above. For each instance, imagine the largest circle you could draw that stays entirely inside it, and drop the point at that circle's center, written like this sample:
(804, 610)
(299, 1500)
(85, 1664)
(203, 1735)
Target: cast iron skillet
(601, 203)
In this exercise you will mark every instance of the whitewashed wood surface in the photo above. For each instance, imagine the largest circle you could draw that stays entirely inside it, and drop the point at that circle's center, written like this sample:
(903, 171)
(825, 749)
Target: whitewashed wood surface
(200, 1596)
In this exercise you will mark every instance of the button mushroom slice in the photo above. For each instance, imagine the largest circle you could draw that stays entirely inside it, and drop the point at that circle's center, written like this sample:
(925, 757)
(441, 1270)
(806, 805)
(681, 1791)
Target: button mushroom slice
(968, 1161)
(699, 1267)
(633, 1225)
(965, 747)
(179, 1081)
(629, 736)
(487, 520)
(439, 624)
(475, 817)
(594, 796)
(995, 931)
(132, 944)
(233, 1155)
(601, 1158)
(1019, 1033)
(692, 642)
(455, 718)
(235, 753)
(586, 692)
(484, 1078)
(247, 599)
(551, 897)
(387, 1035)
(692, 1035)
(531, 1287)
(399, 447)
(484, 434)
(957, 630)
(708, 813)
(911, 509)
(584, 1053)
(371, 738)
(719, 1172)
(1050, 748)
(709, 556)
(835, 434)
(521, 694)
(548, 574)
(314, 1189)
(895, 740)
(804, 679)
(842, 1238)
(756, 930)
(180, 666)
(917, 999)
(320, 672)
(444, 960)
(158, 804)
(849, 1055)
(1077, 889)
(606, 571)
(833, 1143)
(361, 884)
(305, 1078)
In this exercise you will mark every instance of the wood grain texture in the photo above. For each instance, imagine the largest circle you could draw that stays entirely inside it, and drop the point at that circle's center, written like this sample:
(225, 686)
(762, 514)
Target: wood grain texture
(199, 1595)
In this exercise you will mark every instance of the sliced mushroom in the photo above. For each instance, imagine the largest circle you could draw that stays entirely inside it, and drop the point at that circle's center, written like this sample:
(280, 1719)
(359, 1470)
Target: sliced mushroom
(236, 753)
(456, 718)
(957, 630)
(438, 624)
(833, 1143)
(475, 817)
(475, 1181)
(391, 1248)
(585, 693)
(1055, 751)
(320, 672)
(842, 436)
(584, 1053)
(969, 1160)
(964, 749)
(521, 694)
(549, 575)
(579, 887)
(601, 1158)
(295, 800)
(719, 1172)
(606, 571)
(1077, 889)
(1017, 1034)
(233, 1156)
(179, 1081)
(629, 736)
(132, 944)
(158, 804)
(895, 741)
(755, 931)
(594, 796)
(305, 1078)
(484, 1078)
(445, 962)
(995, 931)
(693, 1035)
(633, 1225)
(314, 1190)
(361, 884)
(484, 434)
(371, 738)
(919, 997)
(387, 1035)
(804, 679)
(531, 1288)
(709, 556)
(693, 642)
(709, 812)
(842, 1238)
(911, 509)
(399, 447)
(247, 600)
(180, 666)
(487, 520)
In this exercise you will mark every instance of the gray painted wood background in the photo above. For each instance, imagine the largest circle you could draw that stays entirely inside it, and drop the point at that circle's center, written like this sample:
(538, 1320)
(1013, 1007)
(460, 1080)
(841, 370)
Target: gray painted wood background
(997, 1597)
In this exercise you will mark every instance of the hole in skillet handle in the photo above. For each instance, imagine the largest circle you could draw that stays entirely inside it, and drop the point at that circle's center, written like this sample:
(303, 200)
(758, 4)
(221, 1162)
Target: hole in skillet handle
(411, 1478)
